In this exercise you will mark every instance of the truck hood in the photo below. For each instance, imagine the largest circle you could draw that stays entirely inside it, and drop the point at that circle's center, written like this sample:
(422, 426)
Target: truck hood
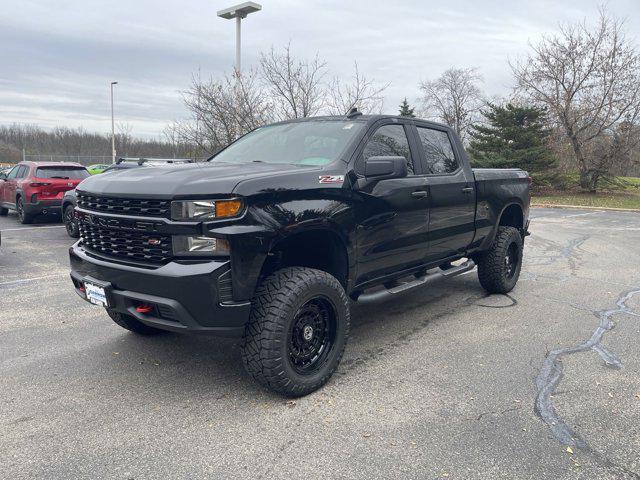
(194, 179)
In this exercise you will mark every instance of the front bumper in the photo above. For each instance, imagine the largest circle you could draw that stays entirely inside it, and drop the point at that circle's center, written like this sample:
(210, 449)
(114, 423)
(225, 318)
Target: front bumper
(184, 297)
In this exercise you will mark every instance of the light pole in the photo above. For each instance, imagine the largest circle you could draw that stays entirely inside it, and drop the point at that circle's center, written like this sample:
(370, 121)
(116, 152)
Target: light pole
(113, 129)
(239, 12)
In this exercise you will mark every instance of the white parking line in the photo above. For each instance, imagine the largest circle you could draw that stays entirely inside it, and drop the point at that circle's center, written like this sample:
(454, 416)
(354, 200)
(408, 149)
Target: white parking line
(27, 280)
(30, 228)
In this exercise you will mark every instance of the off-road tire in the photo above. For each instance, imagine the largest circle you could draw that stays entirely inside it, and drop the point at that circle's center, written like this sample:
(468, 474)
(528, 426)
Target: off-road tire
(132, 324)
(494, 272)
(69, 222)
(4, 212)
(23, 216)
(267, 351)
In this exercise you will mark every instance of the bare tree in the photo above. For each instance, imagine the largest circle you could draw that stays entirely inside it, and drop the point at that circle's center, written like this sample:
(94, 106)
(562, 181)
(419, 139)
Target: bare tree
(295, 85)
(589, 78)
(454, 98)
(222, 110)
(124, 138)
(360, 92)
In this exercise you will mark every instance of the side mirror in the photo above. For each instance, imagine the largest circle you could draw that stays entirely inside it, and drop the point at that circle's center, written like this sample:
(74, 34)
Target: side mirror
(3, 176)
(381, 168)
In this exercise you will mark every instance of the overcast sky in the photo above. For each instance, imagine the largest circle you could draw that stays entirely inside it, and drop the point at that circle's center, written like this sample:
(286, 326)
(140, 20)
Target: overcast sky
(57, 57)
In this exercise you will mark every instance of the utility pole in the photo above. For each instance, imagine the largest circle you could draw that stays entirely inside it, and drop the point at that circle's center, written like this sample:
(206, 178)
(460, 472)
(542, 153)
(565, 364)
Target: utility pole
(113, 128)
(239, 12)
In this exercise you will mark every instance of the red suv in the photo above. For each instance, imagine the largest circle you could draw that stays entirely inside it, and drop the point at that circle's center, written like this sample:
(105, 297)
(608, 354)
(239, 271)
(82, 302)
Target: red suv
(32, 188)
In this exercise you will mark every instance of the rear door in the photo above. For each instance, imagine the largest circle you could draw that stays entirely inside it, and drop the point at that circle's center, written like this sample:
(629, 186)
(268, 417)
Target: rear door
(452, 196)
(54, 180)
(393, 217)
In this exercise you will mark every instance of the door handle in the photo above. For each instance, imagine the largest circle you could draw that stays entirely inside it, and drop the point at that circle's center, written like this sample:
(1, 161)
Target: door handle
(419, 194)
(467, 189)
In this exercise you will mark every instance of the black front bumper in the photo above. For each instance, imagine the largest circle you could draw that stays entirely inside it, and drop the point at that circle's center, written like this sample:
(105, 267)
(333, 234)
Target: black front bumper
(182, 297)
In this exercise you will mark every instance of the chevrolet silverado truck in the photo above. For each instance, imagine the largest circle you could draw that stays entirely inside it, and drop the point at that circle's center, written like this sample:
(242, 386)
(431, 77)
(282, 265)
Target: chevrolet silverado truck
(272, 238)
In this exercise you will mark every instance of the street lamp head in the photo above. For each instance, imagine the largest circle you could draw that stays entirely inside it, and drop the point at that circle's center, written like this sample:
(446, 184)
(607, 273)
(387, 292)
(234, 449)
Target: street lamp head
(114, 83)
(240, 11)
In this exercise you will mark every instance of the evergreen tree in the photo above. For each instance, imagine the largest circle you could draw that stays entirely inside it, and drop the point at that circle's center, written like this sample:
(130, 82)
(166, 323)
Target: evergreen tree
(514, 137)
(406, 110)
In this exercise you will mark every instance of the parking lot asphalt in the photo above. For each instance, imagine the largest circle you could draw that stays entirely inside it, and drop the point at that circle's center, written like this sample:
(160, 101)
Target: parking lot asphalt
(443, 382)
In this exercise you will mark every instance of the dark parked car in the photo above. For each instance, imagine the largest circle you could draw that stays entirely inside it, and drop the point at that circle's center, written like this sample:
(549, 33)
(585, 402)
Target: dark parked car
(270, 239)
(33, 188)
(69, 200)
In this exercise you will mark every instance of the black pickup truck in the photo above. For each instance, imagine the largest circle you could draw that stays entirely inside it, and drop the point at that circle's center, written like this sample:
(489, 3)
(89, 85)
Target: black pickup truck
(271, 238)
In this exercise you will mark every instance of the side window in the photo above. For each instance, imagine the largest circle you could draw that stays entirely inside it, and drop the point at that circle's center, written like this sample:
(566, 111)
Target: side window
(14, 171)
(24, 170)
(389, 140)
(438, 151)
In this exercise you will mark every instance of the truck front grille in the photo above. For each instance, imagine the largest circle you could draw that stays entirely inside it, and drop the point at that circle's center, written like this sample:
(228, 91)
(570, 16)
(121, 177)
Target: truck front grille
(125, 206)
(126, 245)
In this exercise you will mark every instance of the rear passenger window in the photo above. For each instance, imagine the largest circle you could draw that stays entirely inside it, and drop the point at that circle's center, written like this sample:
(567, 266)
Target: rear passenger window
(438, 151)
(389, 140)
(23, 171)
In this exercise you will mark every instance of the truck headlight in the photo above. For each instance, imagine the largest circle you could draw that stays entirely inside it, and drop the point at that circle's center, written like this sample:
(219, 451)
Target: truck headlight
(184, 245)
(203, 210)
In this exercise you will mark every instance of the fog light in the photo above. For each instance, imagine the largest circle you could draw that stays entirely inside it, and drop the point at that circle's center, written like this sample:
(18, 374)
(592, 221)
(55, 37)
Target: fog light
(199, 246)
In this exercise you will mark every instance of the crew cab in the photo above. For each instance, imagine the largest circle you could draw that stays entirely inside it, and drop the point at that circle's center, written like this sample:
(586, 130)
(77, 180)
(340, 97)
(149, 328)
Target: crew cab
(33, 188)
(273, 237)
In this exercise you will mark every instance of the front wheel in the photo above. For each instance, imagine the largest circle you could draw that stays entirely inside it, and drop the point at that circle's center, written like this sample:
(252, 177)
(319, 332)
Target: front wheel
(297, 330)
(70, 222)
(3, 211)
(499, 267)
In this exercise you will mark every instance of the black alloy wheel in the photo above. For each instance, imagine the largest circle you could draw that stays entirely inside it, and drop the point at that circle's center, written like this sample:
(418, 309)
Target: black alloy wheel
(312, 336)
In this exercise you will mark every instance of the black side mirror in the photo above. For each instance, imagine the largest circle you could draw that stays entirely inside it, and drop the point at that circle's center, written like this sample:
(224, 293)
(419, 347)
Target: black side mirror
(381, 168)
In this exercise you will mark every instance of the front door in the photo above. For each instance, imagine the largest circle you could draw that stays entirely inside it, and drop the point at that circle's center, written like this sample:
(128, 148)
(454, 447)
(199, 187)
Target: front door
(452, 195)
(392, 215)
(9, 186)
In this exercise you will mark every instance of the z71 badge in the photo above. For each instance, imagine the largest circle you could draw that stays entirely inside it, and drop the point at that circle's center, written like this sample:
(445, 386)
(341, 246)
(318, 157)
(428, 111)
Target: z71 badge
(331, 179)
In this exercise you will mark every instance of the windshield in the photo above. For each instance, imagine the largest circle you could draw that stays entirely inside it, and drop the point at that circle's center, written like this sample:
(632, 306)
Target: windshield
(298, 143)
(62, 172)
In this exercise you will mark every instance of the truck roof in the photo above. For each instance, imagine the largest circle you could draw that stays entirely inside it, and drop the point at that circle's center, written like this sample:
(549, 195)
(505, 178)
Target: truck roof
(362, 118)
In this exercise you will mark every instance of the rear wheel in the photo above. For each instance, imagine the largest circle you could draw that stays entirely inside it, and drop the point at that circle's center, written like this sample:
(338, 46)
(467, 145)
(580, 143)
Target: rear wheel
(297, 331)
(132, 324)
(23, 216)
(499, 268)
(69, 219)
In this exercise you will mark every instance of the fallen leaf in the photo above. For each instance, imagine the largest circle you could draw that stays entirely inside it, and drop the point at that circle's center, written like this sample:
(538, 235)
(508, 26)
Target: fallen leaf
(570, 450)
(116, 353)
(638, 396)
(291, 403)
(366, 435)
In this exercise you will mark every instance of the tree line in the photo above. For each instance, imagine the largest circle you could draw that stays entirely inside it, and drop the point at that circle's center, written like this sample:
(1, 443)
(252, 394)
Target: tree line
(76, 142)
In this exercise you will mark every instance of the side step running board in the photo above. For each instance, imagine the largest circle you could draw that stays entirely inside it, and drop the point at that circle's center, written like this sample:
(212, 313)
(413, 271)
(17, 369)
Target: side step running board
(418, 282)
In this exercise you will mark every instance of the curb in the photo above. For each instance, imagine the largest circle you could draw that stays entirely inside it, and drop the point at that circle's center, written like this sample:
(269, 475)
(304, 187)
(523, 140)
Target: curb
(584, 207)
